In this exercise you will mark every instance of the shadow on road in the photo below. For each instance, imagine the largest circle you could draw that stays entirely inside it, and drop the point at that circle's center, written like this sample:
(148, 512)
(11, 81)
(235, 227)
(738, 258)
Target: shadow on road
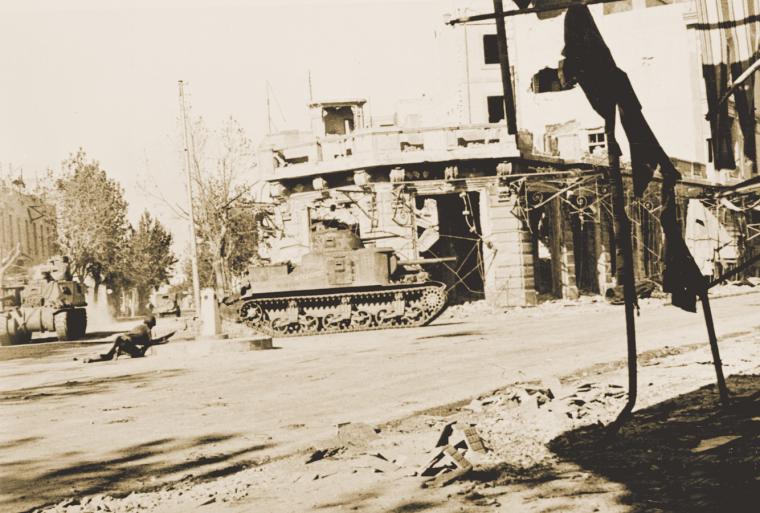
(136, 467)
(686, 454)
(86, 387)
(456, 334)
(367, 500)
(93, 335)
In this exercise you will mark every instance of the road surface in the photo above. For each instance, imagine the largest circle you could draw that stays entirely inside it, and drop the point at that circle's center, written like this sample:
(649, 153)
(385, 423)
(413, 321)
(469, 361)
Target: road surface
(73, 429)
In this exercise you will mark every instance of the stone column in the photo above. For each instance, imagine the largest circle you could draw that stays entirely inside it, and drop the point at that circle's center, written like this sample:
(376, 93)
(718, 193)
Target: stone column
(385, 198)
(211, 320)
(639, 244)
(605, 276)
(507, 252)
(563, 256)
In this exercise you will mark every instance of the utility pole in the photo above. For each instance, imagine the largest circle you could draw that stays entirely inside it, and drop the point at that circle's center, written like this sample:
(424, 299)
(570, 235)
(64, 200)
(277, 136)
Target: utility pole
(311, 92)
(193, 241)
(506, 72)
(269, 111)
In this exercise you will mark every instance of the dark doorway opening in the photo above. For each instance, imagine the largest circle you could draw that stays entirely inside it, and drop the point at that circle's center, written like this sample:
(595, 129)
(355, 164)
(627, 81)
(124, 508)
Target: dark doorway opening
(541, 235)
(584, 250)
(460, 234)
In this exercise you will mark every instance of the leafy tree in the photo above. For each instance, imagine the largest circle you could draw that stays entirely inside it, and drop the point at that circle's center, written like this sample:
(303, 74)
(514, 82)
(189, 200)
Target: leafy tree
(92, 220)
(151, 256)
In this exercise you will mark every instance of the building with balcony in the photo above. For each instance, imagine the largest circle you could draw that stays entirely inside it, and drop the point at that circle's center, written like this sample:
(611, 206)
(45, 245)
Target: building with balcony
(524, 216)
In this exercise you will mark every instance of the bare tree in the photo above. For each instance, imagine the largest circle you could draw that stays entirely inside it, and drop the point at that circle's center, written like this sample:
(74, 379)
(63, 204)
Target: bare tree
(223, 180)
(222, 177)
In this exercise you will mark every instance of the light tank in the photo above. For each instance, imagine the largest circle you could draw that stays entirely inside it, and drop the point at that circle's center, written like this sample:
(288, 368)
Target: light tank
(339, 286)
(49, 300)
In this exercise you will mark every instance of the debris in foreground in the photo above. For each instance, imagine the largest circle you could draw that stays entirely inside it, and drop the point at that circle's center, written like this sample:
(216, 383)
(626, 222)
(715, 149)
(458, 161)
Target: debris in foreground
(449, 462)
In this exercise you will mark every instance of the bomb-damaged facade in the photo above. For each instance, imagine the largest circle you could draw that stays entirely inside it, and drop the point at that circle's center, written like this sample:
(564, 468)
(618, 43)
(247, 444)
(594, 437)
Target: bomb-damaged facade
(525, 217)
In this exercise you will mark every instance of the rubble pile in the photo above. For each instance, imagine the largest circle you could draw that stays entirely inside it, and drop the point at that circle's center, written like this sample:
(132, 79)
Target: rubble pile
(518, 422)
(473, 308)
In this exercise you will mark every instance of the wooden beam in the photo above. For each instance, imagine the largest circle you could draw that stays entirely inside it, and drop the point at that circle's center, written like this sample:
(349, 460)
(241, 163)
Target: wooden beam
(518, 12)
(624, 271)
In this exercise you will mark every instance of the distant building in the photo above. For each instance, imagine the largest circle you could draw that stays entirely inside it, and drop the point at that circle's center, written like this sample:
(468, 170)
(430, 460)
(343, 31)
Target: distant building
(526, 217)
(27, 220)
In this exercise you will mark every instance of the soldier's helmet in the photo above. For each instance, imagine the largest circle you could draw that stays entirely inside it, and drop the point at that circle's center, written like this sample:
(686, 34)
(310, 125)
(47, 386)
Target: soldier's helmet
(150, 320)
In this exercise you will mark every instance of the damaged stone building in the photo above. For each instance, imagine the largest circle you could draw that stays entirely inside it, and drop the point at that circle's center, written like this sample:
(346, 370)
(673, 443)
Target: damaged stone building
(26, 222)
(525, 217)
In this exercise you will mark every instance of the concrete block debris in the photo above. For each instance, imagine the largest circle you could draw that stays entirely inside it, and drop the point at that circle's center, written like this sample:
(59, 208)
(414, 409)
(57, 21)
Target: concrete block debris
(448, 462)
(447, 465)
(472, 440)
(533, 395)
(446, 432)
(356, 434)
(461, 437)
(592, 398)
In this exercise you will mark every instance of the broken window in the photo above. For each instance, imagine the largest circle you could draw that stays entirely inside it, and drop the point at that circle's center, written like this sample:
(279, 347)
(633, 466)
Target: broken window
(546, 81)
(338, 120)
(496, 109)
(597, 142)
(490, 49)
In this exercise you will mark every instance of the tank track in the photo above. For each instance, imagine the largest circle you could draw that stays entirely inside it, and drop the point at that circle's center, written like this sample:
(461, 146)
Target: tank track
(344, 312)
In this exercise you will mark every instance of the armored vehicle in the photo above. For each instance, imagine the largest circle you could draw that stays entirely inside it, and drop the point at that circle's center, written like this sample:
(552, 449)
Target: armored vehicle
(339, 286)
(165, 305)
(49, 300)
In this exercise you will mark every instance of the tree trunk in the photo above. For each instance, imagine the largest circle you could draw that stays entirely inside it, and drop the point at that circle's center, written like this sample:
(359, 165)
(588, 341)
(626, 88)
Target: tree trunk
(219, 275)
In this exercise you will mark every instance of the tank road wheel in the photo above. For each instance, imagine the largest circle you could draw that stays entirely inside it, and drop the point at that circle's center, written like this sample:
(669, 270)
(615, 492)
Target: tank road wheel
(281, 326)
(361, 319)
(334, 322)
(308, 324)
(64, 325)
(252, 314)
(385, 318)
(412, 315)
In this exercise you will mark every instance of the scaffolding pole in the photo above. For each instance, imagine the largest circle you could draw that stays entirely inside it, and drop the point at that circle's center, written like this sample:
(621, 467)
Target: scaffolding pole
(717, 363)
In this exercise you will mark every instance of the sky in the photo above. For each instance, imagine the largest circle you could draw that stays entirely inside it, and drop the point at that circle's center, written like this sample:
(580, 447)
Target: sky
(102, 75)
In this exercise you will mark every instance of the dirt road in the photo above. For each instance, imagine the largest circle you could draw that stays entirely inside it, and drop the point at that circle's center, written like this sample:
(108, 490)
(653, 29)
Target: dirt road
(73, 430)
